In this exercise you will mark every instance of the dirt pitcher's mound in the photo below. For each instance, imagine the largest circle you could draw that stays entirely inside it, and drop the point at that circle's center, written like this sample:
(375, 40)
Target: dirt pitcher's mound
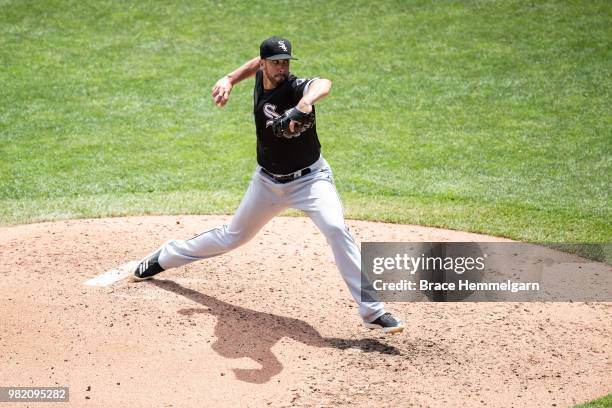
(271, 324)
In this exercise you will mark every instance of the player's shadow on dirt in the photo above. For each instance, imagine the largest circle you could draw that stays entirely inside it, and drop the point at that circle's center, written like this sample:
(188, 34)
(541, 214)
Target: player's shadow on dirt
(242, 332)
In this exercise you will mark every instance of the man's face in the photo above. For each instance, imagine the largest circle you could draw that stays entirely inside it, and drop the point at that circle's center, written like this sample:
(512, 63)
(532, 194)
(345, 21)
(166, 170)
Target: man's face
(276, 71)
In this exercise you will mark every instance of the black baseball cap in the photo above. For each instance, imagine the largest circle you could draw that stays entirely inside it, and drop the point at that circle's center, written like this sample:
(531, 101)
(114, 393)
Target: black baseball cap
(275, 48)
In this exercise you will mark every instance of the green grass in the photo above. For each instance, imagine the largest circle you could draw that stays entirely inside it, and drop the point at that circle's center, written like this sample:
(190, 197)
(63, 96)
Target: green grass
(603, 402)
(486, 116)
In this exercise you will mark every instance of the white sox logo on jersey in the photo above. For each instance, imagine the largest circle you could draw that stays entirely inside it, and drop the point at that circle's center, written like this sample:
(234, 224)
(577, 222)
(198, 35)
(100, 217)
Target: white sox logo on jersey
(270, 111)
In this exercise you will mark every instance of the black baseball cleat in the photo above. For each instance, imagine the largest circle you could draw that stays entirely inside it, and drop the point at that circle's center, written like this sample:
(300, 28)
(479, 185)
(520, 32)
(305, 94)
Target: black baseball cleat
(148, 267)
(387, 323)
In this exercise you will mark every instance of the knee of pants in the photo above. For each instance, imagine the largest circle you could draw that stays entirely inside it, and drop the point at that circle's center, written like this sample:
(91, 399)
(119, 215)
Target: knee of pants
(335, 232)
(236, 239)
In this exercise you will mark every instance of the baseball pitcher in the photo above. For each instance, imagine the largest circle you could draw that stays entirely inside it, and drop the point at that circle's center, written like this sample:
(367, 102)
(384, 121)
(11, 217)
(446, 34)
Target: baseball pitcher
(291, 173)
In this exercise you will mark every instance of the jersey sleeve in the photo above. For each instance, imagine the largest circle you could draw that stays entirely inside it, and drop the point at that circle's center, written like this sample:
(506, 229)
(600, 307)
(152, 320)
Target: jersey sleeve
(300, 86)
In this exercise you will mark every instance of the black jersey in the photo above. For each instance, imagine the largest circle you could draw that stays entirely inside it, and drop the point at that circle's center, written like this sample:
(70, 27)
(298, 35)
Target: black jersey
(281, 155)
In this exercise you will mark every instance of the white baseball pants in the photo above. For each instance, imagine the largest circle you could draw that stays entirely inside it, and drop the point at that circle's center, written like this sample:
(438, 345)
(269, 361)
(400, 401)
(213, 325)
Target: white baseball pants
(315, 194)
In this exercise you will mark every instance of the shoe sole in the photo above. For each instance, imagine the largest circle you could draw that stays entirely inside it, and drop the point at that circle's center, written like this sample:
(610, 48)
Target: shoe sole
(386, 330)
(393, 330)
(135, 278)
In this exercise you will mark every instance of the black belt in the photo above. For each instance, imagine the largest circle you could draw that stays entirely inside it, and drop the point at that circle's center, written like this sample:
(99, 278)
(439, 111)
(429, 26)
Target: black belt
(286, 178)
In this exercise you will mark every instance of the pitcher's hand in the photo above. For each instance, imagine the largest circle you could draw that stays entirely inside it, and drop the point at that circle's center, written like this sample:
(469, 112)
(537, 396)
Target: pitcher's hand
(221, 91)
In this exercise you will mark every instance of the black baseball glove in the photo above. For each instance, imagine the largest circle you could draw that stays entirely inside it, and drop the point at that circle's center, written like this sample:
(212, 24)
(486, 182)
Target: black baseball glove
(280, 125)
